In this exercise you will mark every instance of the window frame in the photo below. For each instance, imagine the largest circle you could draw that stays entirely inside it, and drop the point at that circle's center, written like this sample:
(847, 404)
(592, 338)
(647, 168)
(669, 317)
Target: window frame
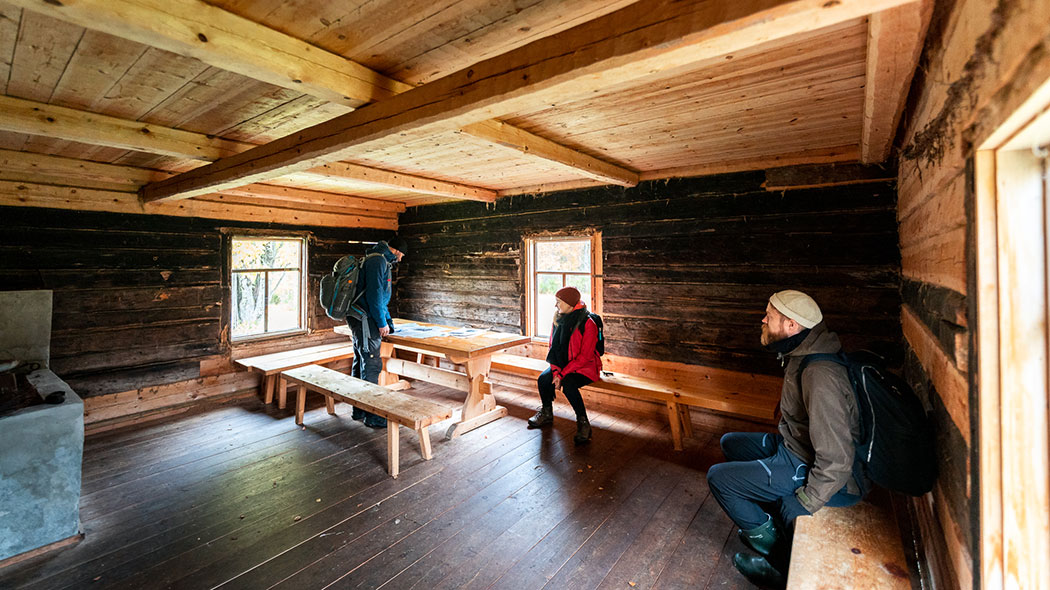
(304, 315)
(530, 274)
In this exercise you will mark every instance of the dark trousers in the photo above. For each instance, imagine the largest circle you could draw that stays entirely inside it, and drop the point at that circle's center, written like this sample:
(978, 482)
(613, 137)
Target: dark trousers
(760, 472)
(367, 362)
(570, 386)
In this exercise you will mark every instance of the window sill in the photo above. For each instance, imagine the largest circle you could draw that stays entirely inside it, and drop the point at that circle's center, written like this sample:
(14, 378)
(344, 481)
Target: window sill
(269, 336)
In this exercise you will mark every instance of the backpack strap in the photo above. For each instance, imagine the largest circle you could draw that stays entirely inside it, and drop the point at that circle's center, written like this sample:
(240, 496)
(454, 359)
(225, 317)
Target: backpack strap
(836, 358)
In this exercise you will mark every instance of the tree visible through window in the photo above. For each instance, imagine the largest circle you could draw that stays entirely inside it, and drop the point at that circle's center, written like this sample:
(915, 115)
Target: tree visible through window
(557, 263)
(266, 286)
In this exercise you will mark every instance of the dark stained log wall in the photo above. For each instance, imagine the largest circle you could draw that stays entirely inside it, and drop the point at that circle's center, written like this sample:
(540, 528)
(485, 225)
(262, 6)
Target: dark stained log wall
(689, 264)
(139, 300)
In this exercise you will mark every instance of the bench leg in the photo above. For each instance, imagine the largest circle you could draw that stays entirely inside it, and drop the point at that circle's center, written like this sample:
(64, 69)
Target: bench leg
(300, 405)
(392, 446)
(676, 425)
(329, 403)
(424, 443)
(268, 385)
(687, 420)
(282, 393)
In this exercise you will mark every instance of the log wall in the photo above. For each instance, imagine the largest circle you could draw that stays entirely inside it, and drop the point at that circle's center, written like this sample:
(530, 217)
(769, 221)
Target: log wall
(140, 302)
(982, 59)
(689, 263)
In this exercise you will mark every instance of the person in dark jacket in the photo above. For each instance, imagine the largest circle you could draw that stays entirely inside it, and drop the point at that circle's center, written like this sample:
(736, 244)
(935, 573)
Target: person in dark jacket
(375, 300)
(574, 362)
(810, 463)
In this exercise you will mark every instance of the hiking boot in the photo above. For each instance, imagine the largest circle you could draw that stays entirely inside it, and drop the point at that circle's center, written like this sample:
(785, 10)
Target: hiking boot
(544, 417)
(759, 571)
(761, 538)
(373, 421)
(583, 432)
(357, 414)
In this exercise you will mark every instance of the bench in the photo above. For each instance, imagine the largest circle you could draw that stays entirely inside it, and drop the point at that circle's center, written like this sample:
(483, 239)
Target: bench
(399, 409)
(270, 366)
(855, 547)
(677, 399)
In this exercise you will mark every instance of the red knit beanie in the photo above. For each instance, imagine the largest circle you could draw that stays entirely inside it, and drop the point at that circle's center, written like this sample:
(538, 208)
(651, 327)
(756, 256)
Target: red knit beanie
(569, 295)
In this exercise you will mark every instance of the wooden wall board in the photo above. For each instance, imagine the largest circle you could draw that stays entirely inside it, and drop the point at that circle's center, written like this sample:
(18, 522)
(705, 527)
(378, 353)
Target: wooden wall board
(10, 17)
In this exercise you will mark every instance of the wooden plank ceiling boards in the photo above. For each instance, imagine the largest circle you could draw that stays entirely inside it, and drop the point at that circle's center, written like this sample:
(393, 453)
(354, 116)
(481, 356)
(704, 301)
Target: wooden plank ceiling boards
(359, 109)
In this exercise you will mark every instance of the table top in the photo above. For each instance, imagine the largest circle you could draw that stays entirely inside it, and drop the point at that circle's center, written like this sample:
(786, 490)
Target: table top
(483, 344)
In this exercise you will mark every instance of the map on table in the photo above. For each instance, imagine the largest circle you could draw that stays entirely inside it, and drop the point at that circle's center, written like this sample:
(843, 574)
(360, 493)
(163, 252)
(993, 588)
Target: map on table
(414, 330)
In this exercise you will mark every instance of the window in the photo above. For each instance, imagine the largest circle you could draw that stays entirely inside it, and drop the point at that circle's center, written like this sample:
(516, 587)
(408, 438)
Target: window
(1011, 213)
(556, 262)
(266, 286)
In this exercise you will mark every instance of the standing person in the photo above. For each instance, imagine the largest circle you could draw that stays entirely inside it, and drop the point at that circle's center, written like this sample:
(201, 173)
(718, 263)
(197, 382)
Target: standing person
(770, 479)
(375, 301)
(574, 362)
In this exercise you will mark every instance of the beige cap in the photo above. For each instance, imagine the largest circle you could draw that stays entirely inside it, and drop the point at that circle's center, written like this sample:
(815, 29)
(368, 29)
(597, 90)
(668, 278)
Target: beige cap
(797, 306)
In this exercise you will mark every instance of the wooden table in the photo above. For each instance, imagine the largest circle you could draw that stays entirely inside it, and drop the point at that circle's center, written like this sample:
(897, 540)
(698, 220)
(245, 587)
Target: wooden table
(474, 354)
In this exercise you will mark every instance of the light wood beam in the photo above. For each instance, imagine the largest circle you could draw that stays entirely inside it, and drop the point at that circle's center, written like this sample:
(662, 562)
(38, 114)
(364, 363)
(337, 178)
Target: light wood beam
(646, 38)
(222, 39)
(48, 169)
(519, 140)
(405, 182)
(35, 118)
(227, 41)
(27, 194)
(895, 40)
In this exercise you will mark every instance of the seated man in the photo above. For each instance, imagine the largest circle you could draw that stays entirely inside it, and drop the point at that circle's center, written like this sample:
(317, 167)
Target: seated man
(770, 479)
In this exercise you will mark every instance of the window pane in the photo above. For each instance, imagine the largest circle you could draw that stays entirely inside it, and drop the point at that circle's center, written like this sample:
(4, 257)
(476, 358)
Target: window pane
(547, 286)
(261, 254)
(247, 301)
(583, 284)
(572, 256)
(283, 301)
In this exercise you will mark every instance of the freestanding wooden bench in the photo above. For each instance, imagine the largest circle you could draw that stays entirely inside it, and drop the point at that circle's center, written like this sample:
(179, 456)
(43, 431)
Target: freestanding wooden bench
(270, 366)
(399, 409)
(855, 547)
(677, 400)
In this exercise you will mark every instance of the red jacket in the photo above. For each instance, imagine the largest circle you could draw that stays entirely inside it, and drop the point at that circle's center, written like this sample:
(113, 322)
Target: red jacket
(583, 353)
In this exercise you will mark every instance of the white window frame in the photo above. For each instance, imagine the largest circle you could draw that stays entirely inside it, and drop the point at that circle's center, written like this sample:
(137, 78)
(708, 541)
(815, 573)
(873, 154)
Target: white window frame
(303, 283)
(529, 249)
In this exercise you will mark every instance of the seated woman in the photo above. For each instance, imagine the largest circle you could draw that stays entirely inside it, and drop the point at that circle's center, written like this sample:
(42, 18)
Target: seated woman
(574, 362)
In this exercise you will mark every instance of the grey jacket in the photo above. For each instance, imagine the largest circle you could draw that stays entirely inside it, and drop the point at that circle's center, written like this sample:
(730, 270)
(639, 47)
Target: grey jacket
(820, 424)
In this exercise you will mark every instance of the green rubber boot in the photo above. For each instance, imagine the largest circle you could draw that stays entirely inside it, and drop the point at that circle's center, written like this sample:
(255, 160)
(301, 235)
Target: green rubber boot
(761, 538)
(759, 571)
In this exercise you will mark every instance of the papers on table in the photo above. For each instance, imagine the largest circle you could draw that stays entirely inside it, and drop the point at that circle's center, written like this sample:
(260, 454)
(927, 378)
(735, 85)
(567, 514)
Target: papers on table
(465, 332)
(414, 330)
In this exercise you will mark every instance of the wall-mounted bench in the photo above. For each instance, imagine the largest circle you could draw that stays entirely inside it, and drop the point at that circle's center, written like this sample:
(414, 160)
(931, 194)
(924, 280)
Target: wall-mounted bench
(855, 547)
(399, 409)
(677, 399)
(270, 366)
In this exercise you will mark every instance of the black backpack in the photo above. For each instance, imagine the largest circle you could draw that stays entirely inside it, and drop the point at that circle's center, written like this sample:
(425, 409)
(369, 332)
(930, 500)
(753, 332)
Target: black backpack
(600, 347)
(898, 443)
(340, 288)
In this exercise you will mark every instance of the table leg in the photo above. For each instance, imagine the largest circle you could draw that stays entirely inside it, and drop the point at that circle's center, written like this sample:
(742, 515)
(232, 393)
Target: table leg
(300, 405)
(480, 406)
(269, 382)
(392, 446)
(386, 351)
(424, 443)
(282, 393)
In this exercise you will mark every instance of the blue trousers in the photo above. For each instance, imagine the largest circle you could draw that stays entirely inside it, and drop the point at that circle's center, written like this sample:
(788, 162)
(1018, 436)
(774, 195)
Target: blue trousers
(367, 362)
(759, 474)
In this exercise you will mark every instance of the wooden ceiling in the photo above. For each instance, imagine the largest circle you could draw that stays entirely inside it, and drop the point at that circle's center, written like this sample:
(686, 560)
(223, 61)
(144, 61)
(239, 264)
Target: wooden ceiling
(343, 113)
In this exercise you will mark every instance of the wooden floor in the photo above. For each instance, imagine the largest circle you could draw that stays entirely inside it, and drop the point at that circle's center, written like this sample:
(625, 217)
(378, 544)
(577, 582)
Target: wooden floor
(238, 496)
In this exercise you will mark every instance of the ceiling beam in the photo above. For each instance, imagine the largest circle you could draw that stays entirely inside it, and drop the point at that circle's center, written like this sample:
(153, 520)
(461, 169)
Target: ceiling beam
(646, 38)
(26, 116)
(226, 41)
(404, 182)
(49, 169)
(222, 39)
(895, 40)
(521, 141)
(36, 118)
